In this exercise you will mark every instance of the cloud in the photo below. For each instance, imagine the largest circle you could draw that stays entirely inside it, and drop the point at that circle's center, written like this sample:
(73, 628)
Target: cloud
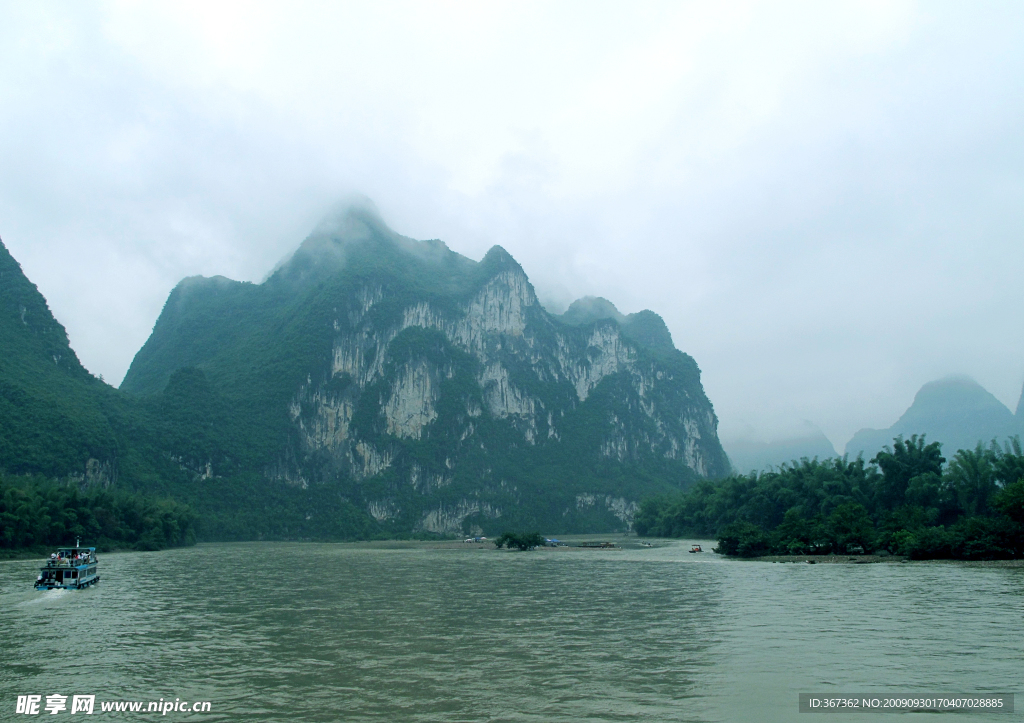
(824, 201)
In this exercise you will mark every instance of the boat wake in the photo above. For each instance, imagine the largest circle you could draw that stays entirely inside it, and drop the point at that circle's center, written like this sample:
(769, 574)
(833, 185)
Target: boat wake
(46, 597)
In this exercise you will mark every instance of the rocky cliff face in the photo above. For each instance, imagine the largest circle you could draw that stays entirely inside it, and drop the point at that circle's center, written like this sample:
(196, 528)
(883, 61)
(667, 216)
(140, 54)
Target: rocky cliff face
(437, 393)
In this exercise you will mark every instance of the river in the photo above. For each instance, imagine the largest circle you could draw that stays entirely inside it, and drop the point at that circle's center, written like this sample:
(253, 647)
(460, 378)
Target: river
(462, 632)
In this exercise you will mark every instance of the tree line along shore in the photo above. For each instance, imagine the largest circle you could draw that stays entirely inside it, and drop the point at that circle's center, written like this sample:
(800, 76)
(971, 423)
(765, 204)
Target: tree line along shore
(38, 514)
(904, 501)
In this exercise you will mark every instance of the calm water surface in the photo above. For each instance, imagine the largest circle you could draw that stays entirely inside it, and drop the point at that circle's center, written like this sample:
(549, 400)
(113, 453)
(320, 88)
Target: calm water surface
(309, 632)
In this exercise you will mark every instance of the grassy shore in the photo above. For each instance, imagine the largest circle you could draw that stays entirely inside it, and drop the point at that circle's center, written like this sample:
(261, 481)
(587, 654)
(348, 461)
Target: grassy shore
(455, 543)
(43, 552)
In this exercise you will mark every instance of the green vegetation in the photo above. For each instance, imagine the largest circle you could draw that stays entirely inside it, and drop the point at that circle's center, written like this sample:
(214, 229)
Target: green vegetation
(234, 371)
(905, 501)
(522, 541)
(219, 407)
(54, 415)
(251, 507)
(234, 407)
(36, 513)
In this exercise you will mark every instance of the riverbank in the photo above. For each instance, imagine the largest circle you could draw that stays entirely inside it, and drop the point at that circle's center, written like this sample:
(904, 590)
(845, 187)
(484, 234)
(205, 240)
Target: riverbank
(883, 559)
(833, 559)
(571, 544)
(41, 553)
(24, 554)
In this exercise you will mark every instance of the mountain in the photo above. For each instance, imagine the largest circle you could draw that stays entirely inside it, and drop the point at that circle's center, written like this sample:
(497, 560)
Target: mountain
(956, 411)
(644, 327)
(749, 455)
(430, 392)
(56, 419)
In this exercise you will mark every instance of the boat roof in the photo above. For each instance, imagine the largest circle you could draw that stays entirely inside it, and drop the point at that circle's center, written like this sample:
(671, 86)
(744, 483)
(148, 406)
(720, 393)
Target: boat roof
(76, 549)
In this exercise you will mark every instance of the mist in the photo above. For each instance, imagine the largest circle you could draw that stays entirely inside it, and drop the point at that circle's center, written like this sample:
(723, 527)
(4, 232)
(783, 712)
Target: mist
(823, 201)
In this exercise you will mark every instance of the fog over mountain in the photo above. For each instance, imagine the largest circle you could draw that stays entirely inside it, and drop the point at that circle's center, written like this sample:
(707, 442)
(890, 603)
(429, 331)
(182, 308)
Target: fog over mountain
(823, 201)
(956, 411)
(749, 453)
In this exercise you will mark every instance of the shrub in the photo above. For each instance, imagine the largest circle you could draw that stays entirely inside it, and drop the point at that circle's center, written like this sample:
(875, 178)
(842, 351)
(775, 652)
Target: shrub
(522, 540)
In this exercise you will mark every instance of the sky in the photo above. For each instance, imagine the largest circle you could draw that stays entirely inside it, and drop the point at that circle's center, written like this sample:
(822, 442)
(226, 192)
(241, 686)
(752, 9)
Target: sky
(824, 201)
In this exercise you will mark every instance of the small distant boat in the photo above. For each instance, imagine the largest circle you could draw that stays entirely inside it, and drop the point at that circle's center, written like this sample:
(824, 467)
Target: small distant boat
(696, 548)
(645, 544)
(69, 568)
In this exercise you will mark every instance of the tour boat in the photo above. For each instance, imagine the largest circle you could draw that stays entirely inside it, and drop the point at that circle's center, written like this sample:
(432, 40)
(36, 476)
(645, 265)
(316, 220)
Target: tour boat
(69, 568)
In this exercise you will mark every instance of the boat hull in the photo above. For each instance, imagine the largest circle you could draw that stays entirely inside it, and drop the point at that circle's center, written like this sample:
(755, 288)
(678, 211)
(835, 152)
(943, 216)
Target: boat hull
(70, 586)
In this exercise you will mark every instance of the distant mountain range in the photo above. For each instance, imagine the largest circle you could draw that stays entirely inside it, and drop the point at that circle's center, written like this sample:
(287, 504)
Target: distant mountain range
(956, 411)
(749, 455)
(372, 385)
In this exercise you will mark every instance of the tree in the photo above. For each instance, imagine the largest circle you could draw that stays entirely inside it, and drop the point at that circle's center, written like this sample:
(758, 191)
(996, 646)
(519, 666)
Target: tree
(742, 539)
(971, 475)
(849, 526)
(798, 535)
(1008, 462)
(1010, 501)
(522, 540)
(904, 461)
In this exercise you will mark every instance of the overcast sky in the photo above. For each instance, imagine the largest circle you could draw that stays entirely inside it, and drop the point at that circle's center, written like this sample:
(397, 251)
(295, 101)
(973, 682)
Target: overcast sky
(824, 201)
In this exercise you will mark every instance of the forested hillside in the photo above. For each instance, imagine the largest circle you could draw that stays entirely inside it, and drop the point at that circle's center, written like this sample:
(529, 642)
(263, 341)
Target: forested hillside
(54, 415)
(74, 452)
